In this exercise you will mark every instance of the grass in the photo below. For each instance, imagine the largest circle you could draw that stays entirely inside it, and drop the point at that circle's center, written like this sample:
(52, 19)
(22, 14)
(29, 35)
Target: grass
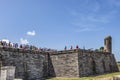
(92, 77)
(88, 78)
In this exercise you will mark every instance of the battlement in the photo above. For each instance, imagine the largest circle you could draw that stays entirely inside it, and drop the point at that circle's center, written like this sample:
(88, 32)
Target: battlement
(78, 51)
(19, 50)
(50, 52)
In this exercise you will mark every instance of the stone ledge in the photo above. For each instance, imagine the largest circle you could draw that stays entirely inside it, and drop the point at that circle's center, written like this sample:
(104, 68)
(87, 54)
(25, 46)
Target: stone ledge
(51, 52)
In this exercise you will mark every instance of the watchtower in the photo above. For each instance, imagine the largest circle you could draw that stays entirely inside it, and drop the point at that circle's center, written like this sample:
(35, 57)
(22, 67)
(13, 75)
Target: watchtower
(108, 44)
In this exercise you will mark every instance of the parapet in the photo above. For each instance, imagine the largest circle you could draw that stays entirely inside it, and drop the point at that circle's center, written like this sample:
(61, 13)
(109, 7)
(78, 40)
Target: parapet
(50, 52)
(78, 51)
(21, 50)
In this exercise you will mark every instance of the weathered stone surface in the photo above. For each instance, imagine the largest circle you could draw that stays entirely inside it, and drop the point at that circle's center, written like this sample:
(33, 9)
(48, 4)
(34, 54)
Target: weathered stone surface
(3, 74)
(35, 65)
(96, 63)
(81, 63)
(29, 66)
(7, 73)
(65, 65)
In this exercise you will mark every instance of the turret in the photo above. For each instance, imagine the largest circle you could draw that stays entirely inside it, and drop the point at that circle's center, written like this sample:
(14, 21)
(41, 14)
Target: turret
(108, 44)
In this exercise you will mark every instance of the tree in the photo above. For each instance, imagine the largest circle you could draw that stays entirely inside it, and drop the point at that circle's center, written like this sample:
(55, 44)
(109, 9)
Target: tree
(101, 48)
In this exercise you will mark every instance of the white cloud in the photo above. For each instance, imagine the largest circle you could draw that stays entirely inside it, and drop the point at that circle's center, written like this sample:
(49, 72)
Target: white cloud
(24, 41)
(31, 33)
(6, 40)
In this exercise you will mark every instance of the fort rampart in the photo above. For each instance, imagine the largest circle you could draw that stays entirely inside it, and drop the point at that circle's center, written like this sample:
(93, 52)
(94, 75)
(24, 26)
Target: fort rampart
(35, 65)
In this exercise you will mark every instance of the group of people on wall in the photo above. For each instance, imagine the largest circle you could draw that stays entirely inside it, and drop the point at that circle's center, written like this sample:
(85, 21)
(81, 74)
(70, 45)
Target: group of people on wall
(71, 47)
(8, 44)
(30, 47)
(23, 46)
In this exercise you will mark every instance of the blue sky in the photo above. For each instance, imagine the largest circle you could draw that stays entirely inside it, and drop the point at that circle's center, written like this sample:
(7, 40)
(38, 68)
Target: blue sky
(56, 23)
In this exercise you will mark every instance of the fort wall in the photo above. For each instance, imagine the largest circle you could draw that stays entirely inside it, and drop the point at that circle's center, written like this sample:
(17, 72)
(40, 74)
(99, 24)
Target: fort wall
(92, 63)
(29, 64)
(35, 65)
(79, 63)
(65, 64)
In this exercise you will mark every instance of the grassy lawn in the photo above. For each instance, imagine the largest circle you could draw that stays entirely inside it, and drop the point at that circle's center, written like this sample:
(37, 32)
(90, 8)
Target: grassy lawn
(90, 78)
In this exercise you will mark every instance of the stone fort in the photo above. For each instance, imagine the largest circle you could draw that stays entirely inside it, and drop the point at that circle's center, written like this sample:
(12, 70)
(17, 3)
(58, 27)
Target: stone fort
(37, 65)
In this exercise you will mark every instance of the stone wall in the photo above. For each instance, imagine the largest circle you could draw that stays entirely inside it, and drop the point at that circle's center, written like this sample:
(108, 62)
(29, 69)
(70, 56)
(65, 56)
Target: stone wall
(29, 64)
(91, 63)
(35, 65)
(79, 63)
(64, 64)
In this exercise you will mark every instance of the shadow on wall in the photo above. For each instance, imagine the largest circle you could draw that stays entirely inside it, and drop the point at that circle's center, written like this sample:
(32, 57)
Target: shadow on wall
(93, 66)
(51, 71)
